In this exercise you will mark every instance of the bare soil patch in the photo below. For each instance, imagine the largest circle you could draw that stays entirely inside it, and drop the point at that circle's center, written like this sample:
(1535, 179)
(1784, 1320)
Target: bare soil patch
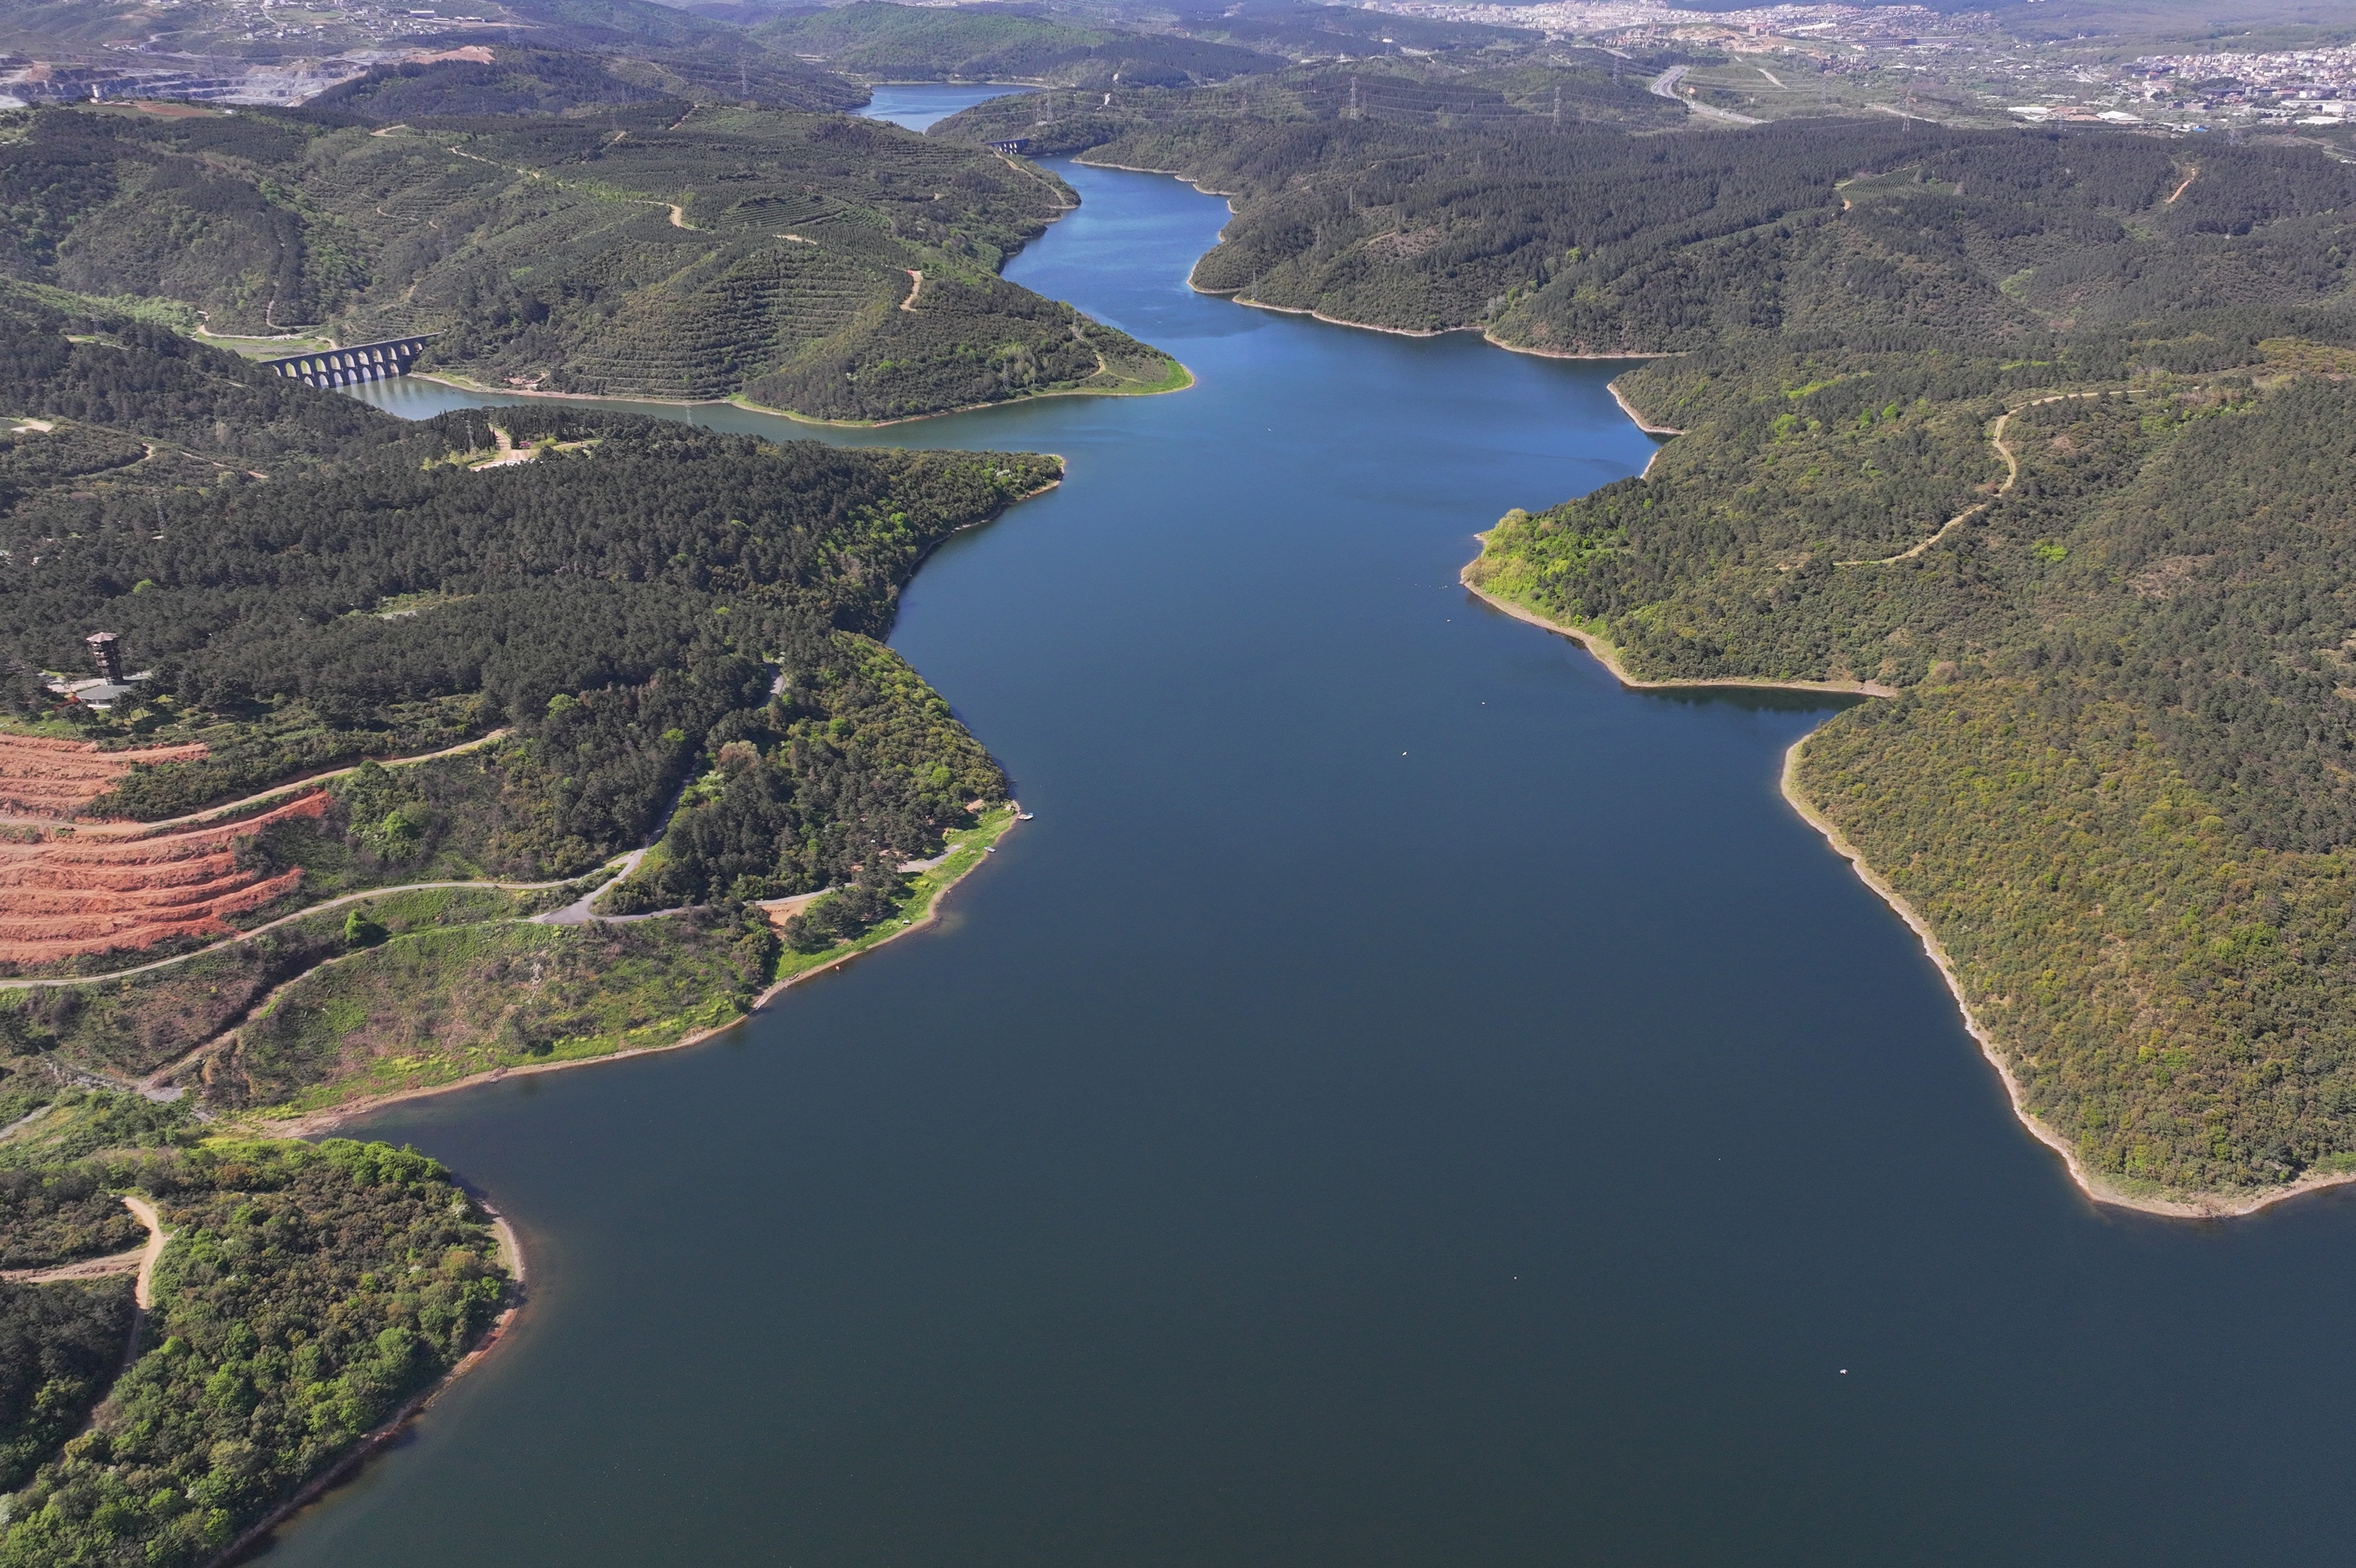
(53, 779)
(62, 897)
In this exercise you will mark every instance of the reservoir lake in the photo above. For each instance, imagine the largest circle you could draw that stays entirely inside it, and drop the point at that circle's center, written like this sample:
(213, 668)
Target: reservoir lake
(1404, 1101)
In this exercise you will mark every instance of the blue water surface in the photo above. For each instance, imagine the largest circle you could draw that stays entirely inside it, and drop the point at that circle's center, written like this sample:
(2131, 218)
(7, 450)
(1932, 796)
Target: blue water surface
(1404, 1101)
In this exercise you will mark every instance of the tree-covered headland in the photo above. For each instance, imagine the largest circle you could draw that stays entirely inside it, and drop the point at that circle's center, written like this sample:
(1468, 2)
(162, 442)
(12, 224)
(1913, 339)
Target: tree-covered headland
(305, 1294)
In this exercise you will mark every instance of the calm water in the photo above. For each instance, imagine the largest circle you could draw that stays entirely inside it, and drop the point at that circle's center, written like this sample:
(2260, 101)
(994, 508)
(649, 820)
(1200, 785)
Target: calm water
(1404, 1101)
(920, 104)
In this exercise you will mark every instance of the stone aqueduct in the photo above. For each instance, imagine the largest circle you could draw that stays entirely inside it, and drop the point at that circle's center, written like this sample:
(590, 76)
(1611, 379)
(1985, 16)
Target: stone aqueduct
(348, 366)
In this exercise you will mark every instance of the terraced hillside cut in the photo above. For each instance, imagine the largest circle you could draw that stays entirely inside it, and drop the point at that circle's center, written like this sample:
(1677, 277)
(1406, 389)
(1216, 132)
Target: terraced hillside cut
(50, 778)
(65, 893)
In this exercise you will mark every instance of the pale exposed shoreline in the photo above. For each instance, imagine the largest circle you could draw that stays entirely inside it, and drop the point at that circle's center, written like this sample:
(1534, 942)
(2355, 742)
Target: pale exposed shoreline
(1184, 382)
(1643, 424)
(1235, 296)
(511, 1254)
(1608, 657)
(2092, 1185)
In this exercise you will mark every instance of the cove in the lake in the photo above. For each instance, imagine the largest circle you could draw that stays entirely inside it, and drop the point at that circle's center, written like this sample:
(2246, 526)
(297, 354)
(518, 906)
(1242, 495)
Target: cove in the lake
(1404, 1101)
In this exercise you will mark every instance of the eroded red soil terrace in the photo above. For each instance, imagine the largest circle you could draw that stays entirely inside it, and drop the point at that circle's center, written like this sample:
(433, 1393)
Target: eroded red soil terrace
(54, 779)
(63, 895)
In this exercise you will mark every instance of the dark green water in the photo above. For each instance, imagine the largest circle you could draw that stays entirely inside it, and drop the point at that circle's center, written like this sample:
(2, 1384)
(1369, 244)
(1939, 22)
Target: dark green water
(1406, 1101)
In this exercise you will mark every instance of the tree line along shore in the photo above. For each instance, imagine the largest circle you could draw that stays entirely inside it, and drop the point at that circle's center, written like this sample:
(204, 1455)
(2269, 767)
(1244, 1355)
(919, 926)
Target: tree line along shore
(2042, 434)
(2039, 436)
(407, 764)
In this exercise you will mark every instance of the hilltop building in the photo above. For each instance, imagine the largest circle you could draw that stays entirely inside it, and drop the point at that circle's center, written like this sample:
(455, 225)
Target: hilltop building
(110, 686)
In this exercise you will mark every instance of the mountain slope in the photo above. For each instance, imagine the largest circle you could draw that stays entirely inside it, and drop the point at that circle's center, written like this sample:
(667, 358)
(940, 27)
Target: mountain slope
(655, 250)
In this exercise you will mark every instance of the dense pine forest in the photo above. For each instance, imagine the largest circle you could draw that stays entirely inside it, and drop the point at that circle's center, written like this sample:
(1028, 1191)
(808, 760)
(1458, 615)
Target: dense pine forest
(655, 629)
(2045, 434)
(558, 228)
(306, 1292)
(645, 632)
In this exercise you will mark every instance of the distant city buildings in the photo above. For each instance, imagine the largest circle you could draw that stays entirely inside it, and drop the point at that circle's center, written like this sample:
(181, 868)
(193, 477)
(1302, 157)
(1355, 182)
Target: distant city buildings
(2304, 87)
(1641, 22)
(1972, 71)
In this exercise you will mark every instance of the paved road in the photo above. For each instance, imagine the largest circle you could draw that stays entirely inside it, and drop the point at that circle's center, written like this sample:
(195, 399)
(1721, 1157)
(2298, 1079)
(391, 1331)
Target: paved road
(1666, 86)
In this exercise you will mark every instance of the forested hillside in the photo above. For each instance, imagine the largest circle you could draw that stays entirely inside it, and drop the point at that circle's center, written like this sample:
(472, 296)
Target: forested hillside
(1370, 111)
(644, 630)
(929, 43)
(1431, 213)
(2043, 433)
(306, 1292)
(633, 245)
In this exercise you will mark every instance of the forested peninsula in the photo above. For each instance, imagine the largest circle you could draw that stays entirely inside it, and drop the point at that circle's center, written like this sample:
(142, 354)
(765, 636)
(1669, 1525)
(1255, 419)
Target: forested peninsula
(554, 224)
(496, 676)
(2047, 433)
(159, 1407)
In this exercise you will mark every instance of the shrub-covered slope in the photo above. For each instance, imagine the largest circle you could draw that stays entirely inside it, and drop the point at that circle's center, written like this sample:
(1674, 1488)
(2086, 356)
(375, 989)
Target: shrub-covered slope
(658, 249)
(306, 1292)
(646, 630)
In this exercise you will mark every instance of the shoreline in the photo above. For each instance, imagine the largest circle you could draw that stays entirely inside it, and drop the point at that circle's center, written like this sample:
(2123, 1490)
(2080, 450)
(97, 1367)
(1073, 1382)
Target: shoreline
(2096, 1190)
(1633, 415)
(319, 1123)
(2094, 1187)
(1602, 650)
(257, 1537)
(1235, 296)
(511, 1254)
(1638, 420)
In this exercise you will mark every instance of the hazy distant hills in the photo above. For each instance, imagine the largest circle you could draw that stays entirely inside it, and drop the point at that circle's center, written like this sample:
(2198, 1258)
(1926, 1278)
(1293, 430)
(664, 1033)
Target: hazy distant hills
(930, 43)
(656, 249)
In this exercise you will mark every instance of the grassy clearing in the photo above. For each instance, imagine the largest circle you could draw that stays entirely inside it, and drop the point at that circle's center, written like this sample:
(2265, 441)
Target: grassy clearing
(131, 1026)
(1139, 378)
(441, 1004)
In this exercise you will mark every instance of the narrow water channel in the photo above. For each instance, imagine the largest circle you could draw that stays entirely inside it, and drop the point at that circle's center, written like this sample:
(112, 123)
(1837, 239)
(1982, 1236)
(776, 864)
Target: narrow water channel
(1404, 1101)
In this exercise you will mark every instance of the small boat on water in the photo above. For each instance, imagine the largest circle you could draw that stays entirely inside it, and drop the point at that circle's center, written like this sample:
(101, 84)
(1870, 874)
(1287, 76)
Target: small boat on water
(1024, 816)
